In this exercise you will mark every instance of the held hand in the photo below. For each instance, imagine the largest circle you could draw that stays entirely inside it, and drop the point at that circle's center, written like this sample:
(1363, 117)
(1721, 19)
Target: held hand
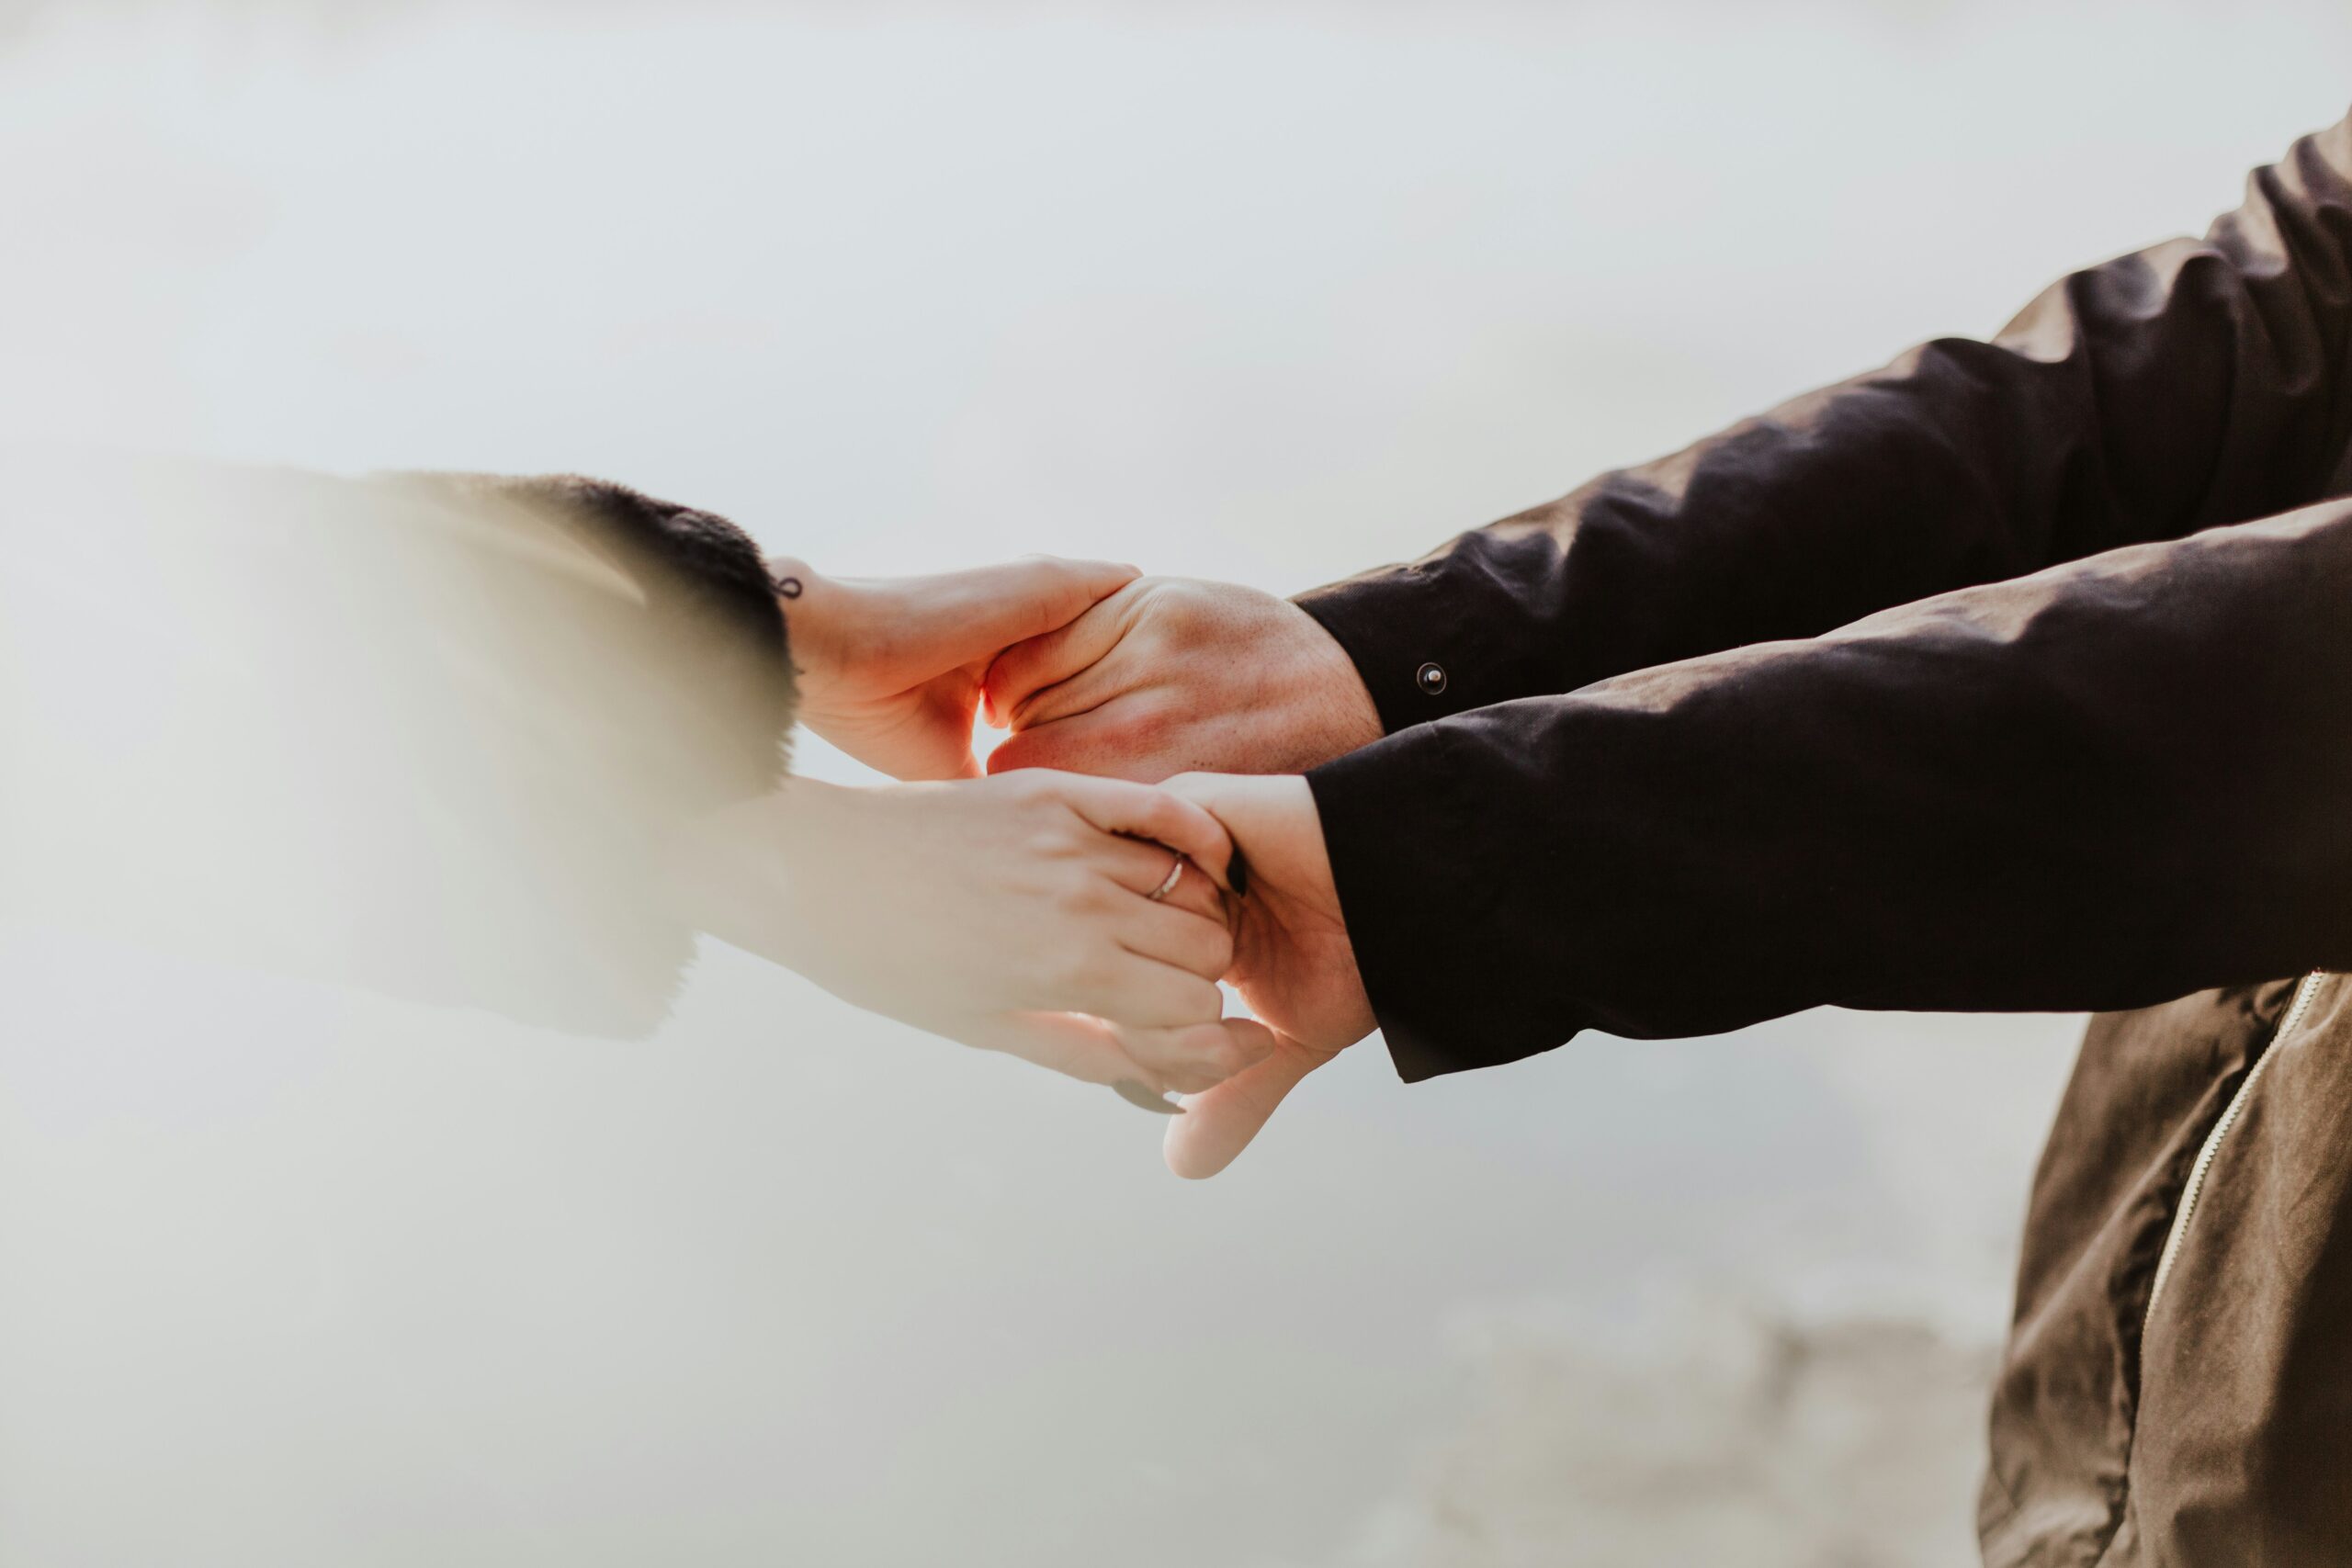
(1168, 675)
(891, 668)
(1011, 914)
(1292, 961)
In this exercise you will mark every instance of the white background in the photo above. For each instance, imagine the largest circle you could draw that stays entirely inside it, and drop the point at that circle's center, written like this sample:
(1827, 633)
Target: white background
(1269, 293)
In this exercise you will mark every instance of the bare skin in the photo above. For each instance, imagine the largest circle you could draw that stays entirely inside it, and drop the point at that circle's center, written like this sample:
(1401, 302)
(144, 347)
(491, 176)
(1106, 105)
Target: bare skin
(1293, 962)
(1014, 914)
(891, 669)
(1009, 914)
(1167, 676)
(1170, 675)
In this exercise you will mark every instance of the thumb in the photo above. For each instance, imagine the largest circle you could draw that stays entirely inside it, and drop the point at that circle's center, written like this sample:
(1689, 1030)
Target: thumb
(1049, 656)
(1218, 1123)
(966, 618)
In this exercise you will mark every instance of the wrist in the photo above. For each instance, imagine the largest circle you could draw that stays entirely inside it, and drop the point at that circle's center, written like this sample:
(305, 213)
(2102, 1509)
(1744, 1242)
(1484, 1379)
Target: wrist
(815, 625)
(1421, 646)
(1352, 716)
(1341, 716)
(757, 874)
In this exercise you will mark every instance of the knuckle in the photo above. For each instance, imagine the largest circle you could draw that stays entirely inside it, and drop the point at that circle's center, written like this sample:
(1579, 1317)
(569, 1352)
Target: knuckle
(1018, 701)
(1203, 1001)
(1053, 840)
(1180, 604)
(1152, 813)
(1077, 896)
(1185, 1056)
(1080, 970)
(1004, 686)
(1032, 792)
(1195, 1079)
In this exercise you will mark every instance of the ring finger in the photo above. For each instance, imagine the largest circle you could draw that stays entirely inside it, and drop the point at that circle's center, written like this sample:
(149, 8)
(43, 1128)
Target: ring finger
(1140, 866)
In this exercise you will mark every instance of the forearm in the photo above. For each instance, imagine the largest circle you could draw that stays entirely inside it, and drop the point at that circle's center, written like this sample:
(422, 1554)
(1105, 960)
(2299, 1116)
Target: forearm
(2098, 787)
(2187, 386)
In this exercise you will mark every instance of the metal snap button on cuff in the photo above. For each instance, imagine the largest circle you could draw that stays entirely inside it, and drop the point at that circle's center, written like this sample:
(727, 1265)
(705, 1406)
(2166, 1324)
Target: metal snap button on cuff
(1431, 678)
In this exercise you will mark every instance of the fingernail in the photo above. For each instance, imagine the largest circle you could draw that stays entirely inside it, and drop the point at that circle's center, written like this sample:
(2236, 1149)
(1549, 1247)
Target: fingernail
(1139, 1094)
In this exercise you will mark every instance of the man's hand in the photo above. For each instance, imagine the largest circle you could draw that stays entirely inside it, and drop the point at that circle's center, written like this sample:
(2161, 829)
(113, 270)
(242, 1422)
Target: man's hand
(1168, 675)
(891, 668)
(1292, 960)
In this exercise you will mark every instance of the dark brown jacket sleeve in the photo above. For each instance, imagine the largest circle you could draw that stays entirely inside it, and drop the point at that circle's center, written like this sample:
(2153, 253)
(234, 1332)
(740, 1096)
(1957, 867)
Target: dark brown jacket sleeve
(2185, 386)
(2101, 785)
(2105, 783)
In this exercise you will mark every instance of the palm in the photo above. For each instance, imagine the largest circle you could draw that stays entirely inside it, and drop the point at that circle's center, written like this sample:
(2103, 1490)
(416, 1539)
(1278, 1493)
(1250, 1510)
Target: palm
(891, 669)
(1293, 962)
(1293, 966)
(918, 732)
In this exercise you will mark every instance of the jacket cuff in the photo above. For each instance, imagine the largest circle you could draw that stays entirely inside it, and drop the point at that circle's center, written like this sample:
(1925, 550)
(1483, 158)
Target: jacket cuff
(1437, 637)
(1401, 830)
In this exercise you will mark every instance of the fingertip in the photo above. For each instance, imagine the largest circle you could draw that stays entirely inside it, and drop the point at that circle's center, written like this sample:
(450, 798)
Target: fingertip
(1185, 1158)
(1019, 672)
(1203, 1141)
(1206, 842)
(1138, 1093)
(1105, 574)
(997, 677)
(994, 710)
(1218, 1124)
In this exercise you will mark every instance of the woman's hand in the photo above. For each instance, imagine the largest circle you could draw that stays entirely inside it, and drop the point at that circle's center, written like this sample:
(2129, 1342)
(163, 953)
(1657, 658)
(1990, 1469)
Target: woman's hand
(1012, 913)
(1292, 961)
(891, 668)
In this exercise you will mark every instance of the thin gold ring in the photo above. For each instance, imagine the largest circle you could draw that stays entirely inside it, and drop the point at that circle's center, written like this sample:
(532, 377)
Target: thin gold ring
(1168, 883)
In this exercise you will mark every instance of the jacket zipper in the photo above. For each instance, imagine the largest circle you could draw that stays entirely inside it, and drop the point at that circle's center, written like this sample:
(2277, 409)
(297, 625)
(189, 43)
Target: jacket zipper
(2195, 1190)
